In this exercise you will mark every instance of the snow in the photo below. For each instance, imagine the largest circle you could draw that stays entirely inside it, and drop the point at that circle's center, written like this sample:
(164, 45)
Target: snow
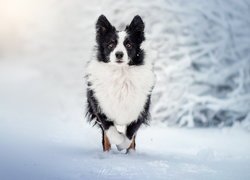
(43, 133)
(74, 152)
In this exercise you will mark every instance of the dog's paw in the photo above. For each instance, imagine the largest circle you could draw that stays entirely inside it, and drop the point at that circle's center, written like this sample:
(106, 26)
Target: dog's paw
(114, 136)
(130, 151)
(119, 148)
(124, 145)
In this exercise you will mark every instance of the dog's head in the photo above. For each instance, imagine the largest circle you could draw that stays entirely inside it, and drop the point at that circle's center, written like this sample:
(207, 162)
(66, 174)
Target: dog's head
(120, 47)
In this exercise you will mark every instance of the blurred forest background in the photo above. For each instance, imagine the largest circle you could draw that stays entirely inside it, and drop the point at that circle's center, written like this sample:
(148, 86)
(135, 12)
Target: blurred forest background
(202, 60)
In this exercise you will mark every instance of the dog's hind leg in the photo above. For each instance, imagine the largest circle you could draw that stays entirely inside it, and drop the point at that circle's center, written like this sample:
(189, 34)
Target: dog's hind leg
(105, 142)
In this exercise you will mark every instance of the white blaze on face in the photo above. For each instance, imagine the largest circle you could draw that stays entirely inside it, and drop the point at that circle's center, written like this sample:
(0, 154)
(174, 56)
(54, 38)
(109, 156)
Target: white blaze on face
(120, 48)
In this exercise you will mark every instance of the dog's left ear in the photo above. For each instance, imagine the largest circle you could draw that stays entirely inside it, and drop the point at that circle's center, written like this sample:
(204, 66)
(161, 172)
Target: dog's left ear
(136, 25)
(136, 29)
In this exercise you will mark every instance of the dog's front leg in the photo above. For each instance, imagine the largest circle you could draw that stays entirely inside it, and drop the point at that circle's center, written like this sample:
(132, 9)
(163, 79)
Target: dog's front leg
(114, 136)
(110, 135)
(129, 139)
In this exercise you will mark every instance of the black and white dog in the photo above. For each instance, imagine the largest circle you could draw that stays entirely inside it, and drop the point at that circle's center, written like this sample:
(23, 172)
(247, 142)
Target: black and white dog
(120, 80)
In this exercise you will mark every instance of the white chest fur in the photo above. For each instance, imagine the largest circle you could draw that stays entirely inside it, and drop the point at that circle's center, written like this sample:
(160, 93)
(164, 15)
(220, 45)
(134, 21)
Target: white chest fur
(120, 91)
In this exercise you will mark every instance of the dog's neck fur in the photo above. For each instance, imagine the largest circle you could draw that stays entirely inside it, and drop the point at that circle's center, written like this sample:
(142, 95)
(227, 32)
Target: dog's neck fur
(121, 91)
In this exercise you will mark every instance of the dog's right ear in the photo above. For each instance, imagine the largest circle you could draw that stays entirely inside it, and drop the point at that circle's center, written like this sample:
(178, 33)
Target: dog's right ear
(102, 25)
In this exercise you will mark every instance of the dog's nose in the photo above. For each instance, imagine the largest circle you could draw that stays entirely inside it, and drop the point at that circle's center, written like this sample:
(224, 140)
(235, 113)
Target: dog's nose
(119, 54)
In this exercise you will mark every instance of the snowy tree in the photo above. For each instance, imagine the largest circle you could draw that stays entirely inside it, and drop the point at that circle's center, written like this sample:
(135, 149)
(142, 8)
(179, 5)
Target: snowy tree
(203, 66)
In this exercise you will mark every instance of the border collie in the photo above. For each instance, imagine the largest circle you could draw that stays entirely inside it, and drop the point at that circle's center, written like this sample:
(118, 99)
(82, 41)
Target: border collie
(119, 83)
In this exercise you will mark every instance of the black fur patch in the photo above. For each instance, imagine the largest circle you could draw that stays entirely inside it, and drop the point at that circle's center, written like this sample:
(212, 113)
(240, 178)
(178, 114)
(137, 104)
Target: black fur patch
(94, 112)
(105, 35)
(136, 35)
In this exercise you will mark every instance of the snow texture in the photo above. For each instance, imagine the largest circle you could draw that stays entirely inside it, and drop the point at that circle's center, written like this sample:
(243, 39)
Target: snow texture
(201, 54)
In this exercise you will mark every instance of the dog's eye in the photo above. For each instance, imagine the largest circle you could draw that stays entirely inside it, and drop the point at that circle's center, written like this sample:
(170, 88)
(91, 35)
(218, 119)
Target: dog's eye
(128, 45)
(111, 45)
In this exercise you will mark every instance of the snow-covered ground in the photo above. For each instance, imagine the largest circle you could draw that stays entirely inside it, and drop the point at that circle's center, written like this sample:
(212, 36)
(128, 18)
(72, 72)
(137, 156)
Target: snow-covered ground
(73, 151)
(43, 133)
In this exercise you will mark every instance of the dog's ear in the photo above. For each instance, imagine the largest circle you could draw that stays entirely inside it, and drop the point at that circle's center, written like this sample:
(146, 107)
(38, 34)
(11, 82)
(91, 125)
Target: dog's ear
(102, 25)
(136, 25)
(136, 29)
